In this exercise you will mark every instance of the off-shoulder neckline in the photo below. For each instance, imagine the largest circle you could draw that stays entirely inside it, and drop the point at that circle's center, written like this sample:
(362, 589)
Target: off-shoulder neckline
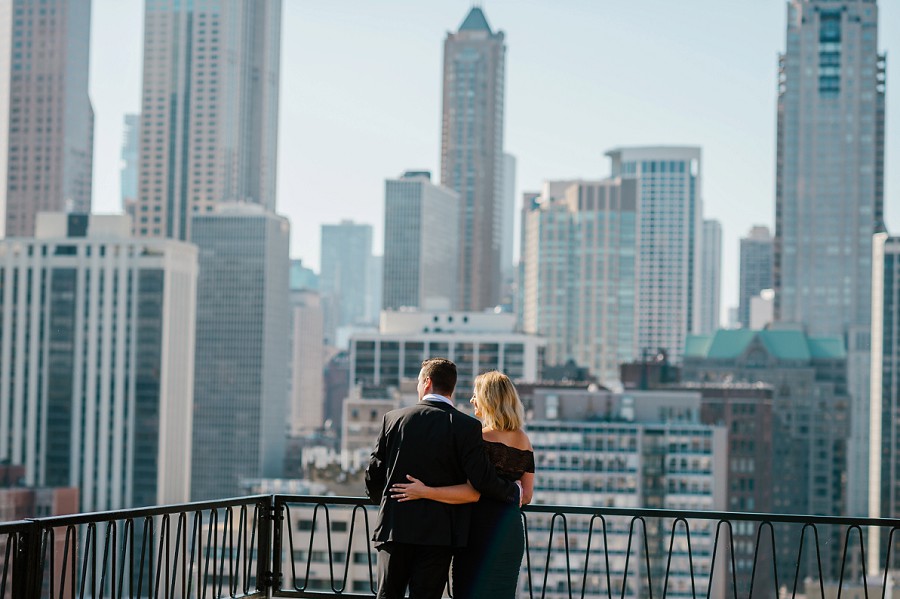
(509, 446)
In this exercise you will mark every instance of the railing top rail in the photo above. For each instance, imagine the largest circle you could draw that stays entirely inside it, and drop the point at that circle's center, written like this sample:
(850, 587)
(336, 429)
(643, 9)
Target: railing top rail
(146, 512)
(323, 499)
(598, 511)
(14, 526)
(638, 512)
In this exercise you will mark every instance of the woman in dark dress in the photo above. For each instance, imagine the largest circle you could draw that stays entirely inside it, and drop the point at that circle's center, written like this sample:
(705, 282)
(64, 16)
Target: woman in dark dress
(488, 567)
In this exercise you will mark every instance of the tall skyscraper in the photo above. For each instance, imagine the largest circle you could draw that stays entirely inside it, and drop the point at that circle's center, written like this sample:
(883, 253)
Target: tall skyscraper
(128, 174)
(243, 315)
(345, 277)
(46, 118)
(669, 195)
(578, 256)
(209, 116)
(472, 153)
(710, 273)
(756, 269)
(96, 360)
(830, 175)
(418, 252)
(830, 190)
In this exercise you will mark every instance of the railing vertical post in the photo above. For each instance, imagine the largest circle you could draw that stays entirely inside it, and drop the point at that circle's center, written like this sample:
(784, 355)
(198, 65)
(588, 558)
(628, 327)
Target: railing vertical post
(27, 574)
(277, 530)
(269, 523)
(263, 548)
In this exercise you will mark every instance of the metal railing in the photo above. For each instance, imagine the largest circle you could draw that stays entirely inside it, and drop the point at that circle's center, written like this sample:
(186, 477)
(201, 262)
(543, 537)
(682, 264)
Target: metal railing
(205, 550)
(315, 546)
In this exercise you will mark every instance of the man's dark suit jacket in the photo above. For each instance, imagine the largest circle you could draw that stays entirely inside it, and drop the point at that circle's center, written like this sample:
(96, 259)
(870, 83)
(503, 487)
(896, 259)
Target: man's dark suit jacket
(440, 446)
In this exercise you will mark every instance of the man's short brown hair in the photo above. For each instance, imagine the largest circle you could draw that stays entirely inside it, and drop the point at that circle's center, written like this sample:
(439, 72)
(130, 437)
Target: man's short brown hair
(442, 373)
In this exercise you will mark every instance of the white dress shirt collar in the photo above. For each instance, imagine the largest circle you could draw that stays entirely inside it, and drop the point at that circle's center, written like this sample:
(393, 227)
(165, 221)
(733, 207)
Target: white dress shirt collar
(436, 397)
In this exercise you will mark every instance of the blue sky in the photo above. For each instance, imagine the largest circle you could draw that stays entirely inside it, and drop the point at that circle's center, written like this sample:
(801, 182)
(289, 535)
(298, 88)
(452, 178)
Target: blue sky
(360, 98)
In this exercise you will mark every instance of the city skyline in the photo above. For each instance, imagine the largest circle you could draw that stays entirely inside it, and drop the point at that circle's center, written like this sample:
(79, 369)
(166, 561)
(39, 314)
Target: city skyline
(725, 101)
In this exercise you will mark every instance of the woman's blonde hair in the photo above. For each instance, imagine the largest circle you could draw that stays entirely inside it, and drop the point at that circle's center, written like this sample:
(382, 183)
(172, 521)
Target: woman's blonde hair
(501, 408)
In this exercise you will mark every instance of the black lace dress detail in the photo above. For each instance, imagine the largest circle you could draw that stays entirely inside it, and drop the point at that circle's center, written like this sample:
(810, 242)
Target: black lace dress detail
(488, 567)
(511, 463)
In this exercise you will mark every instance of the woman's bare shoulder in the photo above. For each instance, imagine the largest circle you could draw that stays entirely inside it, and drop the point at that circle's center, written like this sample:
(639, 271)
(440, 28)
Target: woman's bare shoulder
(517, 439)
(525, 441)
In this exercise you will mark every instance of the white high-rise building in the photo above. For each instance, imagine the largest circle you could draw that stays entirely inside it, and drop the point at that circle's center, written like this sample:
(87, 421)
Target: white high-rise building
(209, 110)
(97, 360)
(579, 263)
(710, 277)
(420, 243)
(669, 236)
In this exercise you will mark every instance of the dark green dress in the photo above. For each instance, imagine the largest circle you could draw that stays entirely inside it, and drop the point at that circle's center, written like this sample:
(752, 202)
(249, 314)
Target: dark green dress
(488, 567)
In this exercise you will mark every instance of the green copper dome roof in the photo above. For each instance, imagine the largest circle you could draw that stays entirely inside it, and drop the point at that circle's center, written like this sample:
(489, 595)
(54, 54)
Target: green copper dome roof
(728, 344)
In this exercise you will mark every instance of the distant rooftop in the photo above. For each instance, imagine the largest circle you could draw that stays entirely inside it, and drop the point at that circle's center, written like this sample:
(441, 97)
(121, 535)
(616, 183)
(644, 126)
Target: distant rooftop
(475, 21)
(416, 174)
(727, 344)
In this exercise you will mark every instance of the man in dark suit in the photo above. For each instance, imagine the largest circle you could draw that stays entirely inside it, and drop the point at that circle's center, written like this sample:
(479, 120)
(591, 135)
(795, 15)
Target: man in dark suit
(440, 446)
